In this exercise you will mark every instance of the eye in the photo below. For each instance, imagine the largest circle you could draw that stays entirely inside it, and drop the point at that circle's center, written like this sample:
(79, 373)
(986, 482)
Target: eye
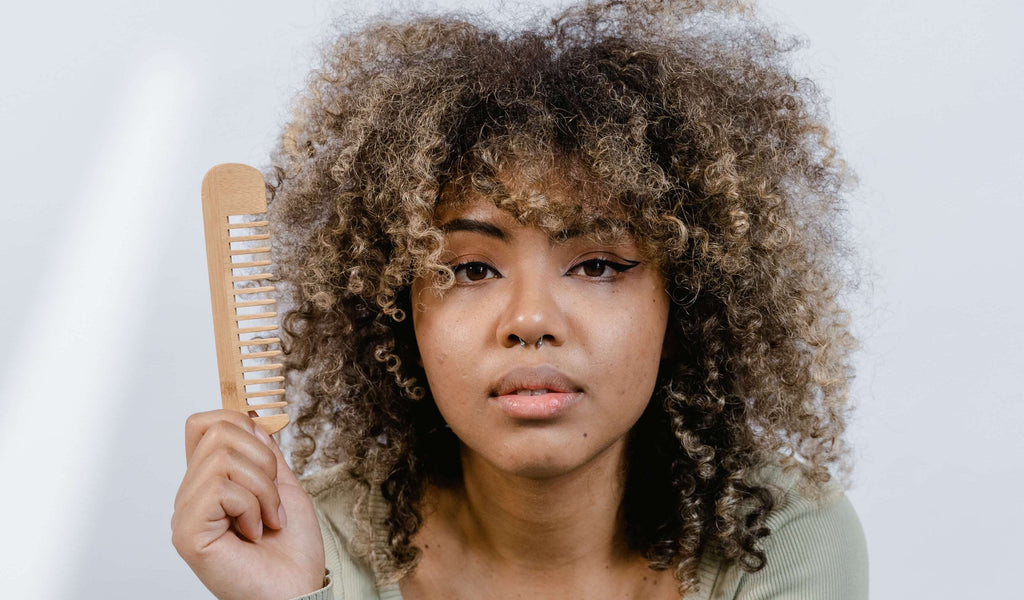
(598, 268)
(468, 272)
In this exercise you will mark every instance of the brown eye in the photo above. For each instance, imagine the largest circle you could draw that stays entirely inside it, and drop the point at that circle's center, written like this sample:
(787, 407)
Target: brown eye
(594, 268)
(476, 271)
(598, 268)
(472, 271)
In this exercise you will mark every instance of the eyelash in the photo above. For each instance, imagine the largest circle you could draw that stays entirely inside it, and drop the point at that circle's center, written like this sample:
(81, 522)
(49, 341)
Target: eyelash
(602, 262)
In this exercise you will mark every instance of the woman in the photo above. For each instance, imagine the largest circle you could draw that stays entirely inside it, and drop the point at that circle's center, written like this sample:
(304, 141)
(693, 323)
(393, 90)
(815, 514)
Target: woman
(564, 324)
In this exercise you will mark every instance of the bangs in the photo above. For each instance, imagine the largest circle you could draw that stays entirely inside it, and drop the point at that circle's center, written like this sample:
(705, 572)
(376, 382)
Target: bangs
(555, 192)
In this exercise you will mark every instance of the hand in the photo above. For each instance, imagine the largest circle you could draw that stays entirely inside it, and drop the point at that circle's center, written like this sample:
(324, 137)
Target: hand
(241, 520)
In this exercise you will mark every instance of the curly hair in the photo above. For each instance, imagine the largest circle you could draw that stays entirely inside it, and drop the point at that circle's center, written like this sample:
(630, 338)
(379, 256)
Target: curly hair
(680, 123)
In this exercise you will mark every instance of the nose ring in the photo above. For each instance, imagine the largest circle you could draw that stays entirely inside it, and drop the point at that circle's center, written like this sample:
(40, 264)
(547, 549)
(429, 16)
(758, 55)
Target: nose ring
(522, 342)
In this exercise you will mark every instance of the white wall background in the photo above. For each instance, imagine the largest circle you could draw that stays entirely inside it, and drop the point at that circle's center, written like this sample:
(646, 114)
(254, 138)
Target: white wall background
(111, 111)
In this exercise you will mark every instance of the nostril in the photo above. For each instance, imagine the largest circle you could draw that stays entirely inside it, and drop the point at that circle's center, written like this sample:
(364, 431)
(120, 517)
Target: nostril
(516, 340)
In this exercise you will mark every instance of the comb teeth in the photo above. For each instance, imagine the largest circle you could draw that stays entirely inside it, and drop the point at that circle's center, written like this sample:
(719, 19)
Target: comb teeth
(238, 255)
(248, 319)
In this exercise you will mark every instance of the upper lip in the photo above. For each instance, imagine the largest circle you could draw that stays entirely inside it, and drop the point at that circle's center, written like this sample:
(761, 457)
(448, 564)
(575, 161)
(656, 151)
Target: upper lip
(541, 377)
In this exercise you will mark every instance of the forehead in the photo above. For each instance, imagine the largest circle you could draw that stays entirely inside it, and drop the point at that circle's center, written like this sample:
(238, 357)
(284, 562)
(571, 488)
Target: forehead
(552, 199)
(483, 216)
(471, 207)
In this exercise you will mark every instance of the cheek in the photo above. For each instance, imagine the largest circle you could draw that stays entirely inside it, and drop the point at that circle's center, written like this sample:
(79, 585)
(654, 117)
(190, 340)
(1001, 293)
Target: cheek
(631, 329)
(628, 344)
(444, 337)
(440, 334)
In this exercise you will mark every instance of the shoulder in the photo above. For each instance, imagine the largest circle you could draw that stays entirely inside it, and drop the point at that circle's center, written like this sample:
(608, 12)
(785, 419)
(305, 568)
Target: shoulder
(348, 546)
(816, 548)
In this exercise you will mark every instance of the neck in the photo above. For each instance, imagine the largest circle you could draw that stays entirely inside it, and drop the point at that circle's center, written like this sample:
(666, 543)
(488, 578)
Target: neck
(543, 524)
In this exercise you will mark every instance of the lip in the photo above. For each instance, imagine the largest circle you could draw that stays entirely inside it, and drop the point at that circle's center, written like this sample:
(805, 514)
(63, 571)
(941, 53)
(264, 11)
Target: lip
(544, 406)
(561, 392)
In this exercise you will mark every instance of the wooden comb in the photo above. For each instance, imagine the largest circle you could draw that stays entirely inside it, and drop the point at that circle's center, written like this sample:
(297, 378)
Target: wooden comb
(238, 257)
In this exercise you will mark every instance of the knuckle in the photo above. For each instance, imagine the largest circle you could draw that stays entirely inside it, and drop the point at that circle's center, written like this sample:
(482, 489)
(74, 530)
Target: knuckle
(224, 455)
(218, 432)
(268, 491)
(196, 421)
(193, 427)
(268, 462)
(250, 509)
(221, 488)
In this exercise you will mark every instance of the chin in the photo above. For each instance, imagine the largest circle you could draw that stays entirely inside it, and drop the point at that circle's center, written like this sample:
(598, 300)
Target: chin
(537, 461)
(540, 469)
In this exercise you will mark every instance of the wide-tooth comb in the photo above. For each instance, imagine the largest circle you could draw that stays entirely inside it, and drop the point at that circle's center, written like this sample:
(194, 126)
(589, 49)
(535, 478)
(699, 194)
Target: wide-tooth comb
(233, 195)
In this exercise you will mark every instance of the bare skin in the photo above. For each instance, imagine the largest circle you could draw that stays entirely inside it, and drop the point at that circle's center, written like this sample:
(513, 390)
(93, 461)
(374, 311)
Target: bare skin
(227, 525)
(538, 515)
(504, 537)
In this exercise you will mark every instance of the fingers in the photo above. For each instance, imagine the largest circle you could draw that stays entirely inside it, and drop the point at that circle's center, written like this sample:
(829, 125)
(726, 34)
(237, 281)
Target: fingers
(235, 501)
(208, 516)
(231, 457)
(197, 424)
(227, 500)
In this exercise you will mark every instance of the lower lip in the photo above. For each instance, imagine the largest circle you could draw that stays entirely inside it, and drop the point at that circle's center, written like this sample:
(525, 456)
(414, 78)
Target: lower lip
(545, 406)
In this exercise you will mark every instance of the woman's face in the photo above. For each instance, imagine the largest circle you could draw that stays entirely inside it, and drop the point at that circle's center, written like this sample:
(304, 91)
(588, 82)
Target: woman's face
(599, 316)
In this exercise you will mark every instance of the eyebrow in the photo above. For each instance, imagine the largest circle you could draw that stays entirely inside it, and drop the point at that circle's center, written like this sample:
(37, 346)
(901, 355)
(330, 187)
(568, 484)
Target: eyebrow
(474, 226)
(492, 230)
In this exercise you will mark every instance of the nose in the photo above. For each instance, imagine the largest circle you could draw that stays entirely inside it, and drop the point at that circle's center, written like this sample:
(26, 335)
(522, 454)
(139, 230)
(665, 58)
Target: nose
(533, 315)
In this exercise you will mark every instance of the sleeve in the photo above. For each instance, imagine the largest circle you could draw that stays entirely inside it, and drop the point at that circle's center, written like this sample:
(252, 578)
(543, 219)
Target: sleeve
(349, 578)
(812, 552)
(324, 593)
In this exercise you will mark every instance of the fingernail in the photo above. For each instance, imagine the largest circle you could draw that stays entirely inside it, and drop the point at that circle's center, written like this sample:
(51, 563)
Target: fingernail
(259, 530)
(281, 515)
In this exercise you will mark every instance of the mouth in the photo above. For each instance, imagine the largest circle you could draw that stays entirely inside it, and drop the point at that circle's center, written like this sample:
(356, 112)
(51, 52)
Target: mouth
(533, 407)
(536, 380)
(540, 392)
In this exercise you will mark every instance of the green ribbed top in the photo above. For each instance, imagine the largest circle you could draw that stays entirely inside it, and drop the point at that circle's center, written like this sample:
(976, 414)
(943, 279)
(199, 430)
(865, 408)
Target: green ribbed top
(816, 550)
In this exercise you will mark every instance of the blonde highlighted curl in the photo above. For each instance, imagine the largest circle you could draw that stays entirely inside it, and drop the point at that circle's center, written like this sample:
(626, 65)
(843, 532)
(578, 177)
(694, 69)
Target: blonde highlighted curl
(679, 123)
